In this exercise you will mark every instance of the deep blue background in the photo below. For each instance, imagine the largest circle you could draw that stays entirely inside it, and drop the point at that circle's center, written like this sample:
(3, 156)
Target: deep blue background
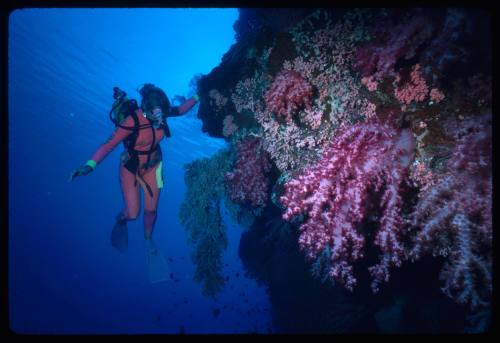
(64, 277)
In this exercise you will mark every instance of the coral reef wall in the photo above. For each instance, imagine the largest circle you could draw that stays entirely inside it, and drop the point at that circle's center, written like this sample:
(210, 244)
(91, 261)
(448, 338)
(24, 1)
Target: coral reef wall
(362, 138)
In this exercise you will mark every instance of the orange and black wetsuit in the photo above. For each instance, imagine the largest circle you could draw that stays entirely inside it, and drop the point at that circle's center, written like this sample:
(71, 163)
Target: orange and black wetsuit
(140, 163)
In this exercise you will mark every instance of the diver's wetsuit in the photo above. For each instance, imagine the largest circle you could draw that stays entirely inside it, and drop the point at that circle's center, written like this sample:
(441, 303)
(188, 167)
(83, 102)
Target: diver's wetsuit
(133, 170)
(131, 174)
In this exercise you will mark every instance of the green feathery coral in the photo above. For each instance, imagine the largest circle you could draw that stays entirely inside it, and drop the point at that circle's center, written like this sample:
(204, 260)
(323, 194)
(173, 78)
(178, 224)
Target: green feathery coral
(200, 215)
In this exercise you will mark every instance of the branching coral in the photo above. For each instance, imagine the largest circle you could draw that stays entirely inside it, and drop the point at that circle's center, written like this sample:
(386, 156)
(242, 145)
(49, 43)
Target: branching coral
(334, 195)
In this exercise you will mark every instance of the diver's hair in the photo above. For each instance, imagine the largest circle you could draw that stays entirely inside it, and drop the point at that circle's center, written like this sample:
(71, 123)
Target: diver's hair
(153, 96)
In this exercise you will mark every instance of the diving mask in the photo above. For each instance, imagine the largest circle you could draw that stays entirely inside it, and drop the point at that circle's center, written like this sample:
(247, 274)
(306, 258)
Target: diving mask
(156, 116)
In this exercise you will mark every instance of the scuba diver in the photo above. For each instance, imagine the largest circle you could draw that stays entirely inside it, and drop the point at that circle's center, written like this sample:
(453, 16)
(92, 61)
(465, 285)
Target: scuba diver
(140, 129)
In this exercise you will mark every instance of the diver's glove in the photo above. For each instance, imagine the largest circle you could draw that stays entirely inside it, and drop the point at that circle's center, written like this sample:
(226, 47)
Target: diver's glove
(84, 170)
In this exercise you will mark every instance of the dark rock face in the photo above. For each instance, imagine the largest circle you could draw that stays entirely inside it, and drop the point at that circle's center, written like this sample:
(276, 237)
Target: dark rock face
(304, 304)
(300, 303)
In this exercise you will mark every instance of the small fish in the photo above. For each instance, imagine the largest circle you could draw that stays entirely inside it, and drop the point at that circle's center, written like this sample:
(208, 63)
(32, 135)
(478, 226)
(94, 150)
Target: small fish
(177, 280)
(185, 300)
(237, 274)
(182, 330)
(216, 312)
(170, 259)
(171, 275)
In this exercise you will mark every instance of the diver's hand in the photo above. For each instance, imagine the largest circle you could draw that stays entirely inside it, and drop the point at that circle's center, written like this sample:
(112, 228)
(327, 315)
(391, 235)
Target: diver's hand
(179, 99)
(80, 172)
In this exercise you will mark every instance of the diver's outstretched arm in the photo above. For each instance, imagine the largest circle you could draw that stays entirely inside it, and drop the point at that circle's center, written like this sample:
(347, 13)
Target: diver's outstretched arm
(118, 135)
(184, 107)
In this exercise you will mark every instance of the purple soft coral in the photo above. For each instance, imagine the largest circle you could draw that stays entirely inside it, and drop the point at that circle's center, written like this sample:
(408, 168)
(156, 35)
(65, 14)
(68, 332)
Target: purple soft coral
(379, 59)
(454, 217)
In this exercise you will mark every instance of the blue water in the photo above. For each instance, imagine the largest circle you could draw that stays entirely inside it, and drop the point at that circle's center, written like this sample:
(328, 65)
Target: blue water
(64, 277)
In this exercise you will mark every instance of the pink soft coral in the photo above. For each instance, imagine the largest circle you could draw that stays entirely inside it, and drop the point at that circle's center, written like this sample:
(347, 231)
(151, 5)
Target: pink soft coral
(289, 91)
(436, 95)
(248, 182)
(334, 194)
(415, 90)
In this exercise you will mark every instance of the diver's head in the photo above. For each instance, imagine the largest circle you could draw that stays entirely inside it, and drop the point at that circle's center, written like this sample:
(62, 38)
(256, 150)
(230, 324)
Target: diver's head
(155, 103)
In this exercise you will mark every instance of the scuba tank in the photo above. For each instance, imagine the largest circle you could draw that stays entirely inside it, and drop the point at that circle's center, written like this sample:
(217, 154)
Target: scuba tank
(122, 107)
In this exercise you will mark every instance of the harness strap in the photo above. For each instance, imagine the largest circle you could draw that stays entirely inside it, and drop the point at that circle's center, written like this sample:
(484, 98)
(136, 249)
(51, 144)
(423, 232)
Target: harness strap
(130, 140)
(145, 152)
(134, 153)
(147, 186)
(132, 128)
(152, 145)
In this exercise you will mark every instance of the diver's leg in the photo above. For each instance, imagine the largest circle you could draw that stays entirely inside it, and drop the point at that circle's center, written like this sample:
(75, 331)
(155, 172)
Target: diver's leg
(151, 200)
(131, 196)
(130, 192)
(149, 222)
(157, 264)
